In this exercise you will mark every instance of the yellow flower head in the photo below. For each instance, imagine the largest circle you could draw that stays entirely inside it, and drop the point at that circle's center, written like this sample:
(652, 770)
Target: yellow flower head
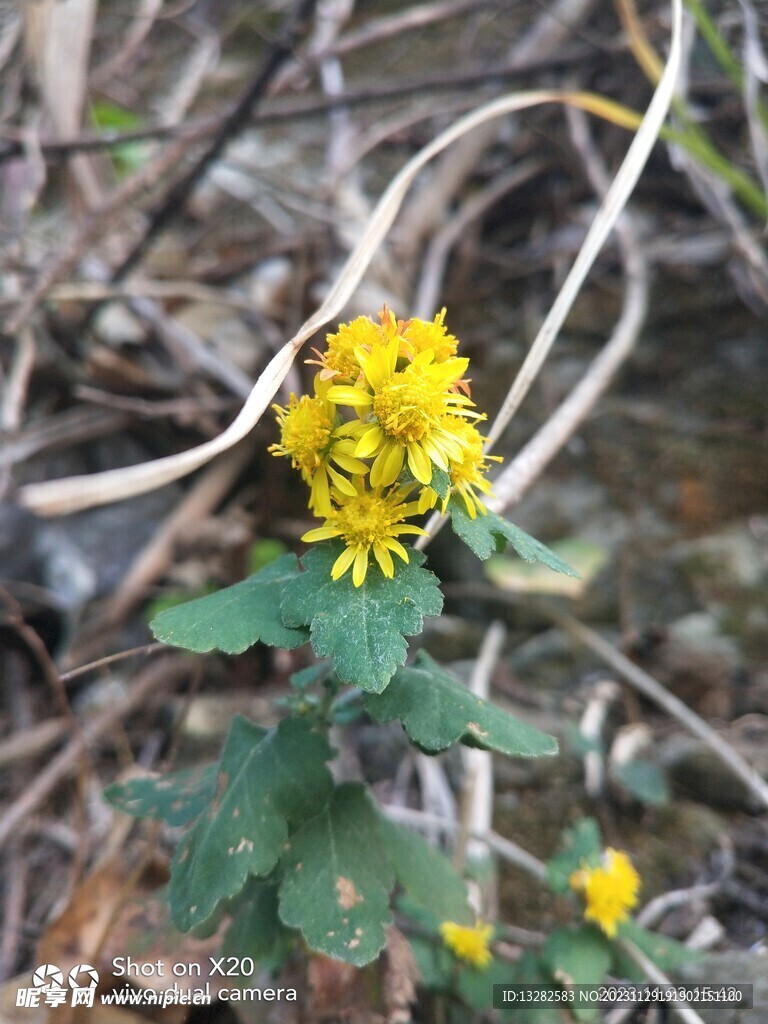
(340, 360)
(422, 336)
(467, 474)
(402, 412)
(310, 437)
(367, 520)
(469, 944)
(390, 404)
(610, 890)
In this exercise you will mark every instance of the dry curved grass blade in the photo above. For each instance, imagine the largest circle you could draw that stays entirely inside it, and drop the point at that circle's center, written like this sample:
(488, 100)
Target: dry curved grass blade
(72, 494)
(610, 209)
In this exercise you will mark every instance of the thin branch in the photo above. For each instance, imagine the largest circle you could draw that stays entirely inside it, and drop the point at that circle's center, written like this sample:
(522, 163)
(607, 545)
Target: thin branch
(505, 848)
(278, 113)
(658, 977)
(233, 123)
(635, 676)
(615, 200)
(531, 461)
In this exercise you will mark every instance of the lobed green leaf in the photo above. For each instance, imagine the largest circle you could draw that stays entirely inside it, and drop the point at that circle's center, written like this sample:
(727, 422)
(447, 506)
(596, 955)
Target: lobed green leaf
(578, 956)
(175, 798)
(267, 781)
(361, 628)
(256, 929)
(487, 534)
(426, 875)
(437, 711)
(235, 618)
(644, 780)
(666, 953)
(338, 879)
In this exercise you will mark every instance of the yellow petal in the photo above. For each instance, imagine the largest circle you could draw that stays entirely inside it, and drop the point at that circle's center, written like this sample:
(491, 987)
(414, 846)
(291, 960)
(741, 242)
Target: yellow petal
(370, 442)
(321, 533)
(384, 559)
(343, 394)
(396, 546)
(435, 454)
(360, 567)
(419, 464)
(378, 364)
(427, 500)
(386, 468)
(342, 563)
(320, 497)
(401, 528)
(348, 463)
(341, 482)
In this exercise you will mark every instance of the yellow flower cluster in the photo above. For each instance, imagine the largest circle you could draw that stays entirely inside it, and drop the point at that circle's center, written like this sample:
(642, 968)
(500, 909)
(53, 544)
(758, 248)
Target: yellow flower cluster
(469, 944)
(610, 890)
(391, 407)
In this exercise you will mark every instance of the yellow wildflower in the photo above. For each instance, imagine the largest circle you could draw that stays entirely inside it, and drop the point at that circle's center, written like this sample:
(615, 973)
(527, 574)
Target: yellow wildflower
(422, 336)
(610, 890)
(470, 944)
(467, 474)
(368, 520)
(311, 437)
(339, 359)
(408, 408)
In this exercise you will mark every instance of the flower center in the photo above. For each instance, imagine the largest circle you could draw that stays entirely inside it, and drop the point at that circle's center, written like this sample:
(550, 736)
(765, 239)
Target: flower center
(408, 406)
(366, 520)
(306, 431)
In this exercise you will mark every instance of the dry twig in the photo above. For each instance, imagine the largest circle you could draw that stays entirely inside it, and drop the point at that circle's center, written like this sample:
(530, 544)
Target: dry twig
(165, 674)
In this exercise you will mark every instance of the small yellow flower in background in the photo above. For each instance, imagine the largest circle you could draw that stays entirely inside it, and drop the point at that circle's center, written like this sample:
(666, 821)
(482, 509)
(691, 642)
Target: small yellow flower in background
(368, 521)
(469, 944)
(610, 890)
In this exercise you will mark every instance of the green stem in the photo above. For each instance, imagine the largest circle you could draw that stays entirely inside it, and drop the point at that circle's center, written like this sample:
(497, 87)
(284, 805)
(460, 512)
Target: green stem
(711, 35)
(722, 52)
(693, 140)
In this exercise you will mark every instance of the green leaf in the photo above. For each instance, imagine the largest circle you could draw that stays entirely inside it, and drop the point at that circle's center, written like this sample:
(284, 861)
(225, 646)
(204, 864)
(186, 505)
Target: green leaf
(644, 780)
(481, 533)
(578, 956)
(475, 984)
(267, 781)
(256, 930)
(176, 798)
(426, 875)
(529, 970)
(437, 711)
(440, 482)
(581, 843)
(363, 627)
(586, 558)
(310, 675)
(173, 598)
(110, 117)
(666, 953)
(435, 964)
(234, 619)
(338, 879)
